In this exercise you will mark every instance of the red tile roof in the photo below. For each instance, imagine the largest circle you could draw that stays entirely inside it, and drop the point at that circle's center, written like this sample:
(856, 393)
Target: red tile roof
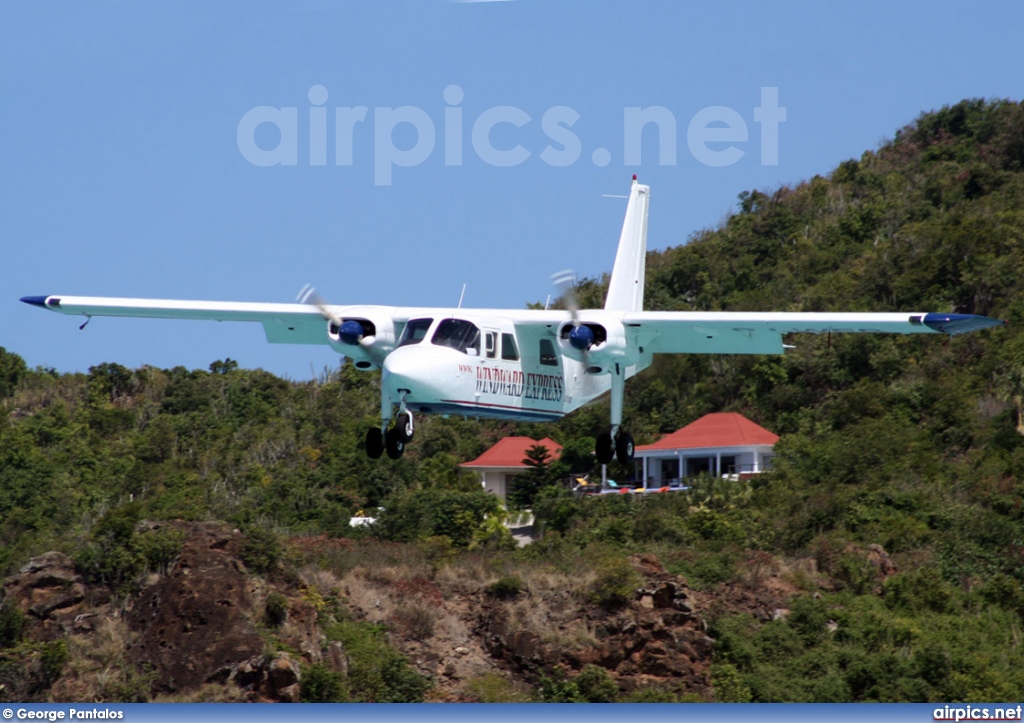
(511, 451)
(722, 429)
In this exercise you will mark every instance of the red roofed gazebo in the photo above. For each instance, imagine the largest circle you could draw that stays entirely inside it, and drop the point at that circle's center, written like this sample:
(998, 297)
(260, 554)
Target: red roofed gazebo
(720, 444)
(499, 464)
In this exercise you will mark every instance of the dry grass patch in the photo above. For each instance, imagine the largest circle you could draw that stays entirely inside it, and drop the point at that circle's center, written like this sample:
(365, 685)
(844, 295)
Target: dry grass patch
(496, 688)
(801, 573)
(344, 556)
(325, 582)
(97, 669)
(209, 693)
(416, 620)
(466, 574)
(546, 582)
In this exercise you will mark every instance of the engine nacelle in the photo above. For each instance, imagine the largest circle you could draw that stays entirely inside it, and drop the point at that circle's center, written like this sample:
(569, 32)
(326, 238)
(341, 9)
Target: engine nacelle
(597, 344)
(366, 340)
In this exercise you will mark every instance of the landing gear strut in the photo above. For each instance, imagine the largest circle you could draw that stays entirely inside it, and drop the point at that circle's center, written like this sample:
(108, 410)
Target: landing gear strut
(390, 438)
(616, 443)
(404, 426)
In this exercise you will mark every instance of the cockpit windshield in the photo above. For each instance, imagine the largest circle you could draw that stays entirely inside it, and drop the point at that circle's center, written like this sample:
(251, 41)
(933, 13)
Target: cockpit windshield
(458, 334)
(415, 331)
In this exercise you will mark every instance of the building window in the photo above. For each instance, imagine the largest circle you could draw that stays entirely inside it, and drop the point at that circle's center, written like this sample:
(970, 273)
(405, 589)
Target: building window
(699, 465)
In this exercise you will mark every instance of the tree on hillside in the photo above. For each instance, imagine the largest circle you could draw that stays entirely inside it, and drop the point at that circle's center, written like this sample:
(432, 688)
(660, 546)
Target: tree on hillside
(12, 367)
(528, 485)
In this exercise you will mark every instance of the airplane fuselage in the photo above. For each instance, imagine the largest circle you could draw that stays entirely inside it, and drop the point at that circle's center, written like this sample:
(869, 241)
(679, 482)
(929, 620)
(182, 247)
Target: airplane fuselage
(489, 372)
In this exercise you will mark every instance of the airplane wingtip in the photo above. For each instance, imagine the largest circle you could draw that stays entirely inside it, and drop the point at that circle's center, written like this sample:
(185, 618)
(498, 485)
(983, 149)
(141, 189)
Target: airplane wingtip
(35, 300)
(960, 323)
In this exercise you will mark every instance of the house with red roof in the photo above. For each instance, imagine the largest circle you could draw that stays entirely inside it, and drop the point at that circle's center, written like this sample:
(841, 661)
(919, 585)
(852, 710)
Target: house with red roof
(719, 444)
(502, 462)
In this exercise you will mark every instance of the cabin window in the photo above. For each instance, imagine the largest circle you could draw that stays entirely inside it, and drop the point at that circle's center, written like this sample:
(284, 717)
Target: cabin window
(458, 334)
(415, 331)
(509, 351)
(491, 344)
(547, 353)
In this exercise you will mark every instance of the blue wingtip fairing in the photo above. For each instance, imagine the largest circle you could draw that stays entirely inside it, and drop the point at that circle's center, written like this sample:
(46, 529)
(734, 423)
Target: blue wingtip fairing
(35, 300)
(954, 324)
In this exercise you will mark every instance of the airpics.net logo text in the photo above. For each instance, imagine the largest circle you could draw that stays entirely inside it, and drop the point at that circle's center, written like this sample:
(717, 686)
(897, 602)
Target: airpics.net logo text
(715, 136)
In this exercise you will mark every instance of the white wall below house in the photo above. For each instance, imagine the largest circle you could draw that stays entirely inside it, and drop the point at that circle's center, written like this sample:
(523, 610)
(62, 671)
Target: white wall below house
(496, 480)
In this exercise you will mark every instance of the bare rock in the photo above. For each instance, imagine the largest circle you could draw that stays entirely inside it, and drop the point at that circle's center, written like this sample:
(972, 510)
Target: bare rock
(40, 579)
(878, 557)
(49, 589)
(648, 565)
(658, 639)
(194, 624)
(283, 676)
(664, 595)
(300, 631)
(250, 674)
(337, 657)
(683, 605)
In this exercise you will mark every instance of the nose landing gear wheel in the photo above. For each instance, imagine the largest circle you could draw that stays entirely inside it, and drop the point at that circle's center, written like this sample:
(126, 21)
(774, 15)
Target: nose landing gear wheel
(394, 444)
(374, 443)
(624, 448)
(604, 449)
(404, 427)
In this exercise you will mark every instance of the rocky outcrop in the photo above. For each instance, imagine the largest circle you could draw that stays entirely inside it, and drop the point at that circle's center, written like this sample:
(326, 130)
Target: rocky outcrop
(658, 638)
(195, 624)
(205, 621)
(275, 677)
(49, 590)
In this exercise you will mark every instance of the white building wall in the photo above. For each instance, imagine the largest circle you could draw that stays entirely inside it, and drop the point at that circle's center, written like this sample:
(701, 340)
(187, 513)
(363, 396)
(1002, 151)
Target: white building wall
(495, 480)
(747, 460)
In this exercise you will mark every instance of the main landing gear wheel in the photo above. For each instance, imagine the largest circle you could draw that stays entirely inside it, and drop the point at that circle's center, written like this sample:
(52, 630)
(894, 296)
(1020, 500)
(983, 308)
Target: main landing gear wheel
(374, 443)
(624, 448)
(403, 427)
(394, 444)
(604, 450)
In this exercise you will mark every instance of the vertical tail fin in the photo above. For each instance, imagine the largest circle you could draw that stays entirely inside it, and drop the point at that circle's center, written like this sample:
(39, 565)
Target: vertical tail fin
(626, 289)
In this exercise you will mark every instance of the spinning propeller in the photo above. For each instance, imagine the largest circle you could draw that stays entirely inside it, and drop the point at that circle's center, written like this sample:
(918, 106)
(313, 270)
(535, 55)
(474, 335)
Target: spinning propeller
(350, 332)
(581, 337)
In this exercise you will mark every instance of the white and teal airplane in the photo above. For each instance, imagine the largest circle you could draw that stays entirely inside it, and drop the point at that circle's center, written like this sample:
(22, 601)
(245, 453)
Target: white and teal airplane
(532, 365)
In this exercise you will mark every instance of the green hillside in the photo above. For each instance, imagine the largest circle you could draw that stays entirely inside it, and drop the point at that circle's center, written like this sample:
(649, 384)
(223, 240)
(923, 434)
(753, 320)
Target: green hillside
(912, 443)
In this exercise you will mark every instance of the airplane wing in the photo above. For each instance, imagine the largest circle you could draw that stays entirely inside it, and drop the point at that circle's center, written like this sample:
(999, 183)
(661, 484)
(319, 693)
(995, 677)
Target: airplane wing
(749, 332)
(282, 323)
(660, 332)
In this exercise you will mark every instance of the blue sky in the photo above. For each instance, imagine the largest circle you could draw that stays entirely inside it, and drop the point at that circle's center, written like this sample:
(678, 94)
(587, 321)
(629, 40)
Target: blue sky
(123, 174)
